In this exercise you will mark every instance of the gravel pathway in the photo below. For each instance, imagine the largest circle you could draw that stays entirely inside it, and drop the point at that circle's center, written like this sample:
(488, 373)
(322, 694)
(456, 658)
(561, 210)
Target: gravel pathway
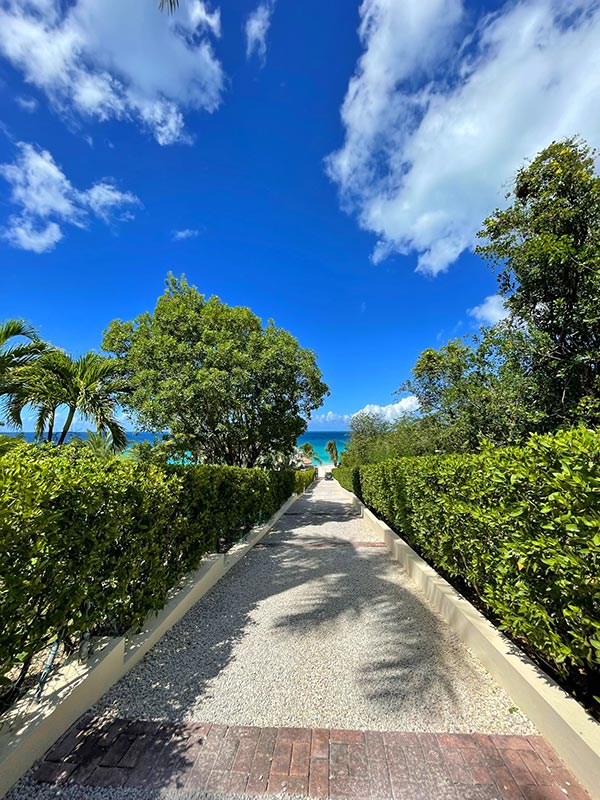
(313, 628)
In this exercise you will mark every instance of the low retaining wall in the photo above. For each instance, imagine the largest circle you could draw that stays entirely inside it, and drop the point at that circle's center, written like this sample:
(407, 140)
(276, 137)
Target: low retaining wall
(31, 727)
(571, 731)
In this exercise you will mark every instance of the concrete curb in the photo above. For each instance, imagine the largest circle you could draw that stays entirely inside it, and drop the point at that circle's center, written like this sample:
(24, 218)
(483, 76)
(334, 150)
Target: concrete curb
(571, 731)
(31, 727)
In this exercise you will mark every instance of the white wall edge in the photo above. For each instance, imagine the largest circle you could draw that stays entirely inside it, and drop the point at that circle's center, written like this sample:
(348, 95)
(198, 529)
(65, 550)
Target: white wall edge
(571, 731)
(30, 728)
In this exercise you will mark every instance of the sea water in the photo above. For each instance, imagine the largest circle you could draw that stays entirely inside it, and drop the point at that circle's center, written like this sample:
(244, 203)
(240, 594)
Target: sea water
(318, 439)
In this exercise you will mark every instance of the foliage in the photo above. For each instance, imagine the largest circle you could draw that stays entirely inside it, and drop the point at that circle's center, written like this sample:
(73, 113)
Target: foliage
(19, 345)
(303, 479)
(102, 445)
(90, 545)
(331, 448)
(83, 385)
(16, 354)
(546, 246)
(519, 525)
(229, 389)
(468, 391)
(349, 478)
(308, 450)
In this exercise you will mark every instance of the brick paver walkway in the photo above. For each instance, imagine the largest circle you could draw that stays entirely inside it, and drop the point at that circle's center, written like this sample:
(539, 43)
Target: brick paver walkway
(318, 762)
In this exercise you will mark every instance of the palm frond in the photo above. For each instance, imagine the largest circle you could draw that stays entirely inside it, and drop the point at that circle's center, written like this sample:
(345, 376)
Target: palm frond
(171, 5)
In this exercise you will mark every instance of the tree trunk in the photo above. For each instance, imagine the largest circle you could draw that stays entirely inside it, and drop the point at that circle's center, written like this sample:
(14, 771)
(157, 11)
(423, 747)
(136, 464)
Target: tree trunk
(51, 426)
(68, 424)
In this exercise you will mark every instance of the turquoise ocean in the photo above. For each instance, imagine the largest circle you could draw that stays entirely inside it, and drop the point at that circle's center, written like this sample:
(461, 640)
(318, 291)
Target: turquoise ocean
(318, 439)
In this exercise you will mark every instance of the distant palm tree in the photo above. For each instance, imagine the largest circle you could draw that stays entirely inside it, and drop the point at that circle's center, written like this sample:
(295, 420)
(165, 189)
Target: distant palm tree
(331, 448)
(102, 445)
(309, 451)
(82, 385)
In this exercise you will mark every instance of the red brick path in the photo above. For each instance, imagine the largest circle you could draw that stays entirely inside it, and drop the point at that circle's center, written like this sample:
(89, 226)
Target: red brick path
(320, 763)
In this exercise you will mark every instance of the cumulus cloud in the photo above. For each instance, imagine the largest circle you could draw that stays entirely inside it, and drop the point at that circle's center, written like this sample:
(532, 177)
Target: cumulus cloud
(438, 118)
(392, 411)
(186, 233)
(106, 59)
(257, 28)
(491, 311)
(28, 104)
(47, 199)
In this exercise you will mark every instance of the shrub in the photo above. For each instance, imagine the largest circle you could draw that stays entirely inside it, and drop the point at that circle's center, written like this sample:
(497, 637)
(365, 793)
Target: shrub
(349, 478)
(88, 545)
(520, 527)
(303, 479)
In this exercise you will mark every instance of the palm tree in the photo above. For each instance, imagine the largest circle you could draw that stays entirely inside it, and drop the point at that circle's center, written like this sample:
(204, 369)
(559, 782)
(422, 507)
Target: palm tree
(331, 448)
(17, 354)
(82, 386)
(309, 451)
(101, 445)
(172, 5)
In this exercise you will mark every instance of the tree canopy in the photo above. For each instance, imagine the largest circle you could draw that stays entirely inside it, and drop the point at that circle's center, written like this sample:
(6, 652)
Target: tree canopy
(539, 369)
(546, 247)
(226, 388)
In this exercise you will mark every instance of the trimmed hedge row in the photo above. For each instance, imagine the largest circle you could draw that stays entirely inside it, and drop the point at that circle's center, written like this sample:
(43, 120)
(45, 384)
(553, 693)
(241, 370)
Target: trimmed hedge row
(520, 526)
(303, 479)
(88, 545)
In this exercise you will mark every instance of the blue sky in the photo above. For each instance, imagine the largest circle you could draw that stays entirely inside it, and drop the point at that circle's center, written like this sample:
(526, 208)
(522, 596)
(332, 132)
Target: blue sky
(325, 164)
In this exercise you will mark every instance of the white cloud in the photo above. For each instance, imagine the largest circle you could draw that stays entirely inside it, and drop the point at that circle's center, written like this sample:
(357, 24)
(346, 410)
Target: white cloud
(200, 17)
(331, 418)
(47, 199)
(491, 311)
(436, 121)
(392, 411)
(108, 59)
(257, 28)
(22, 233)
(104, 199)
(28, 104)
(186, 233)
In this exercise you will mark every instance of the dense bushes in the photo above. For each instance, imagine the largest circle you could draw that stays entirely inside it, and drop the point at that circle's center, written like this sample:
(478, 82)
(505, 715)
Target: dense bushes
(520, 526)
(88, 545)
(349, 478)
(303, 479)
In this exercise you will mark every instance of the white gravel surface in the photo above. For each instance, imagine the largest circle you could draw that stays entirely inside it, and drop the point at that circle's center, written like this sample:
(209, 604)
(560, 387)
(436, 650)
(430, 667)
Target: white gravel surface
(30, 790)
(309, 630)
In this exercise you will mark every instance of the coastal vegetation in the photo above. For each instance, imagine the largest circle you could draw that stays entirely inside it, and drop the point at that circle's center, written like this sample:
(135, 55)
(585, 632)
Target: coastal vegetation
(92, 539)
(228, 390)
(495, 479)
(90, 546)
(538, 369)
(518, 530)
(332, 450)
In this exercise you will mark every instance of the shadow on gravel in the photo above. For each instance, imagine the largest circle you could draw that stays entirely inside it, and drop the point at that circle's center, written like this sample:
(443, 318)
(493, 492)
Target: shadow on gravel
(404, 670)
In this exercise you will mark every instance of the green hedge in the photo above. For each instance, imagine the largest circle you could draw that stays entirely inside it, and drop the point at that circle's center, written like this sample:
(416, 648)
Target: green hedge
(89, 545)
(303, 479)
(520, 526)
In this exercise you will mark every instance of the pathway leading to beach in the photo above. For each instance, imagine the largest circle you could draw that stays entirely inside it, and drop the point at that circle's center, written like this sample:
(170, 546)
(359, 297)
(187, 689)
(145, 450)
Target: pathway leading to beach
(314, 667)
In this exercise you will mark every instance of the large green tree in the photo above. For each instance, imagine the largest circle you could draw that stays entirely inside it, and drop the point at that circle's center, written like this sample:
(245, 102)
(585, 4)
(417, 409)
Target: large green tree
(229, 389)
(546, 247)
